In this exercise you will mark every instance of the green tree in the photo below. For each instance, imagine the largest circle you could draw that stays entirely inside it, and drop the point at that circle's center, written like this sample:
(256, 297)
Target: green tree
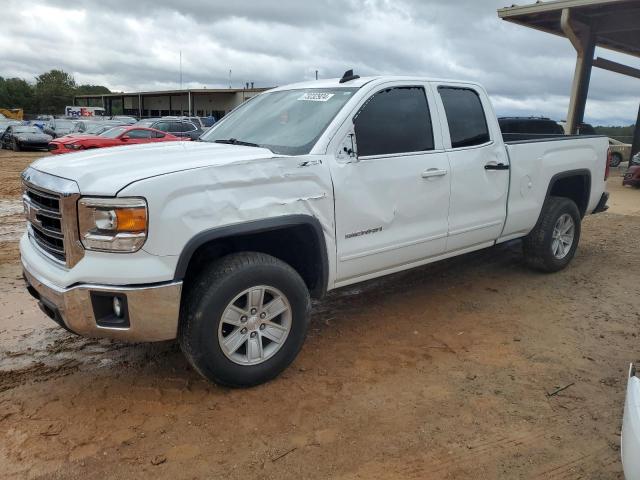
(16, 93)
(91, 90)
(51, 93)
(623, 134)
(54, 90)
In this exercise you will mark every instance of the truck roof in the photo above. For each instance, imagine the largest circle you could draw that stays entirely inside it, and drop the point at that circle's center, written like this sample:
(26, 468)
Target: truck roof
(359, 82)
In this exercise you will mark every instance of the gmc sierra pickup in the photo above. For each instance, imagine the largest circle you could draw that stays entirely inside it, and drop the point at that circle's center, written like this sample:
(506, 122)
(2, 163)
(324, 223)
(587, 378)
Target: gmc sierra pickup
(302, 189)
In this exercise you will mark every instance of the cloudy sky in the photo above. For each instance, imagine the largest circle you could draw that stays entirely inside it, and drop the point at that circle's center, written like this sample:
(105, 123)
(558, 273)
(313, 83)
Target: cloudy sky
(134, 45)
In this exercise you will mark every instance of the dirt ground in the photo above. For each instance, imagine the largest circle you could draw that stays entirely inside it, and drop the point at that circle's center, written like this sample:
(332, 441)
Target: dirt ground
(440, 372)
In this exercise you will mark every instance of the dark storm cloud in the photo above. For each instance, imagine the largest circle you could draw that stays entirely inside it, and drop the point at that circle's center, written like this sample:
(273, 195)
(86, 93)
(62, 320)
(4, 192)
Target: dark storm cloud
(134, 45)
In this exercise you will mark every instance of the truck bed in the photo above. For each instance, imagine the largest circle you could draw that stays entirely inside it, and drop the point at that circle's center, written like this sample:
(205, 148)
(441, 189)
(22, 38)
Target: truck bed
(534, 163)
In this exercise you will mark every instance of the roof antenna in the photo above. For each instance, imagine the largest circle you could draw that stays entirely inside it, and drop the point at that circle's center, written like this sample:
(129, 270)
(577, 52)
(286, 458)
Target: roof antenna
(348, 76)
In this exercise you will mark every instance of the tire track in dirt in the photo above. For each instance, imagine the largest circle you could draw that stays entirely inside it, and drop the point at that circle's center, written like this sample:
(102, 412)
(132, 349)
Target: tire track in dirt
(483, 452)
(566, 470)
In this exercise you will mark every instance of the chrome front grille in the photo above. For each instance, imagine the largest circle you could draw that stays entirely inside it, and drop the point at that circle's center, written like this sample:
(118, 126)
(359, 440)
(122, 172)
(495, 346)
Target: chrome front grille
(50, 205)
(44, 218)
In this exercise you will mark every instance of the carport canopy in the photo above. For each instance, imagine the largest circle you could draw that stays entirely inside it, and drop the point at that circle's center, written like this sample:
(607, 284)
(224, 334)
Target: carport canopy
(609, 24)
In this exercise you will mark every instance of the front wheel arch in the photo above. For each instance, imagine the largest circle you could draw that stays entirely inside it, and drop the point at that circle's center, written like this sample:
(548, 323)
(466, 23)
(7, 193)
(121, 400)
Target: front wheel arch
(308, 254)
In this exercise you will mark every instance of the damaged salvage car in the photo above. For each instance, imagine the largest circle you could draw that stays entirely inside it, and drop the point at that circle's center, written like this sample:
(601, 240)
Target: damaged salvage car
(19, 137)
(302, 189)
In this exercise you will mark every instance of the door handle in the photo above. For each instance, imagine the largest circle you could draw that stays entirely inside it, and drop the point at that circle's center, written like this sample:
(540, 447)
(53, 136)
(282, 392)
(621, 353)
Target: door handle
(433, 172)
(496, 166)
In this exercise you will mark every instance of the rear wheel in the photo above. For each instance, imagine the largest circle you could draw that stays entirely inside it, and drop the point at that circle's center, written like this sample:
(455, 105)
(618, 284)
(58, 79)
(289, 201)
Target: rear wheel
(616, 159)
(15, 145)
(244, 319)
(552, 244)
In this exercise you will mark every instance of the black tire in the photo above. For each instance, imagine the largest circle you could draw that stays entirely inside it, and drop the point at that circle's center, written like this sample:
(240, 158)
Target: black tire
(15, 145)
(616, 159)
(537, 246)
(209, 295)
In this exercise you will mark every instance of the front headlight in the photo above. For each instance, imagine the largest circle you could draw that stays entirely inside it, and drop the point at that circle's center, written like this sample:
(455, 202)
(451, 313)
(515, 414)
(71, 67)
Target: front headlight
(112, 224)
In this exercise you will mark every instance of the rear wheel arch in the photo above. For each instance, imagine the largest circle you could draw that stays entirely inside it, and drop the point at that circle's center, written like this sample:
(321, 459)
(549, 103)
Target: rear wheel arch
(572, 184)
(298, 240)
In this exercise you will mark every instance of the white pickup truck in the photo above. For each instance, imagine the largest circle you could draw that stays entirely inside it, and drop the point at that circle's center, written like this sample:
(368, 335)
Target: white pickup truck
(302, 189)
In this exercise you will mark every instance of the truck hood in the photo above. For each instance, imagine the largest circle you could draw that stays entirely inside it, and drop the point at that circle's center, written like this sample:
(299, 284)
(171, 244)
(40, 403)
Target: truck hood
(106, 171)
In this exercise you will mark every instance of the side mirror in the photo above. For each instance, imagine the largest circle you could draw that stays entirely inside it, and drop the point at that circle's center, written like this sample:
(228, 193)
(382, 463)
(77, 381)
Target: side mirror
(347, 150)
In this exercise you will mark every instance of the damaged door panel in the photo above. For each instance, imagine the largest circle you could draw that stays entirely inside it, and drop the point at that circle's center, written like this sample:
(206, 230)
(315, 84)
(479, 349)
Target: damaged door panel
(392, 190)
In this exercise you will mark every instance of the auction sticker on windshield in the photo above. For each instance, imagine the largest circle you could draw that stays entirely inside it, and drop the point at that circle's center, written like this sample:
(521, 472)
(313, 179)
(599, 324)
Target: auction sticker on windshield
(316, 96)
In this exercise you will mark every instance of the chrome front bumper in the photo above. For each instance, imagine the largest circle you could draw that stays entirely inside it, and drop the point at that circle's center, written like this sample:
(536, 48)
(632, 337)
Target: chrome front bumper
(153, 310)
(630, 439)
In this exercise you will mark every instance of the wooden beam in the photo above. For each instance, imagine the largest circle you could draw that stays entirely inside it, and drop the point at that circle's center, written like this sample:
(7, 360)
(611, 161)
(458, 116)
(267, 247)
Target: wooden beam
(616, 67)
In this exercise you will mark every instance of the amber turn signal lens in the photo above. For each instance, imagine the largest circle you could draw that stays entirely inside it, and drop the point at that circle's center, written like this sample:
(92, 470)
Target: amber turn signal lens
(131, 219)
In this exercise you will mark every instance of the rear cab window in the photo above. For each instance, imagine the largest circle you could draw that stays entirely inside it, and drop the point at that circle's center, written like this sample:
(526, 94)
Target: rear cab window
(465, 116)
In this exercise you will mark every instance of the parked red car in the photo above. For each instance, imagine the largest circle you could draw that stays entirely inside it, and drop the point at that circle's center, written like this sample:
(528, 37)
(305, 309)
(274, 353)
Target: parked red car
(632, 177)
(117, 136)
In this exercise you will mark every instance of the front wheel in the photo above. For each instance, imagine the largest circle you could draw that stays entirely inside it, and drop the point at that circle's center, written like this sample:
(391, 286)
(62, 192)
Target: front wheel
(244, 319)
(552, 243)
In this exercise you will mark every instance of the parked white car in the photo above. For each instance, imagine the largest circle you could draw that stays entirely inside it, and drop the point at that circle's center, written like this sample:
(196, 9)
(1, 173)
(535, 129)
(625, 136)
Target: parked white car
(630, 440)
(302, 189)
(619, 152)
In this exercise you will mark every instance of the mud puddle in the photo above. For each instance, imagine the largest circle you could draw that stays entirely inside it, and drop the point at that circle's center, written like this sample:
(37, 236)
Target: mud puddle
(12, 223)
(43, 353)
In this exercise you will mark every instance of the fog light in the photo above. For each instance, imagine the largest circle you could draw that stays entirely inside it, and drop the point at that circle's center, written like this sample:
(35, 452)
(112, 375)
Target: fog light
(110, 309)
(117, 307)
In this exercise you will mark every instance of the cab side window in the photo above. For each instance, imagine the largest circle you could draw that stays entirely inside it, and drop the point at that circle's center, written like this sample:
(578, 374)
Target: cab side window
(465, 116)
(394, 120)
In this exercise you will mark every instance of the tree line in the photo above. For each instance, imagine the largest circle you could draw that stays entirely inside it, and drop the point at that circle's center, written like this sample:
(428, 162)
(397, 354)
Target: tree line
(624, 134)
(50, 93)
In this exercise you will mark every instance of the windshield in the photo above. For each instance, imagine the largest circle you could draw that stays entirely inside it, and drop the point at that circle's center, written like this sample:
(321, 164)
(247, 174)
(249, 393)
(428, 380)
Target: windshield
(288, 122)
(26, 130)
(64, 124)
(113, 132)
(84, 126)
(98, 128)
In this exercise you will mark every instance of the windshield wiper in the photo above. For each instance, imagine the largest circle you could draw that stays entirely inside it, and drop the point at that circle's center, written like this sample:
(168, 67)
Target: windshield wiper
(235, 141)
